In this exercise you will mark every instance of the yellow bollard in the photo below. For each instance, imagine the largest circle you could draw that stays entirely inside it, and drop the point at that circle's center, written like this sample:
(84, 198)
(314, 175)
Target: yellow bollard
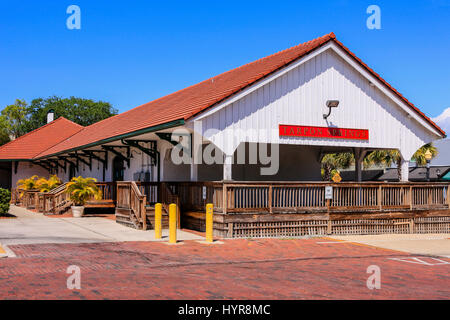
(209, 222)
(158, 223)
(173, 223)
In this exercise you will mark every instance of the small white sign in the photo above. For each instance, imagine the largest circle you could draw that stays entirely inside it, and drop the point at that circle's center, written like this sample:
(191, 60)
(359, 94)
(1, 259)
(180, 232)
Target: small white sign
(204, 192)
(328, 193)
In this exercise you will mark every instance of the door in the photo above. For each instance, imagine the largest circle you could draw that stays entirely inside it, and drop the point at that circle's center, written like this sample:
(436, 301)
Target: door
(118, 169)
(72, 171)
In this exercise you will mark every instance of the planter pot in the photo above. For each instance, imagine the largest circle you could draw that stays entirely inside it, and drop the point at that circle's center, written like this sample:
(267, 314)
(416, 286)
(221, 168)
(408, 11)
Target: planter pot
(77, 212)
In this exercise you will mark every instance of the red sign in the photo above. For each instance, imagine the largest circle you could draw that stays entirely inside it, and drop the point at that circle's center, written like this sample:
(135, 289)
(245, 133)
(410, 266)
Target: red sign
(324, 132)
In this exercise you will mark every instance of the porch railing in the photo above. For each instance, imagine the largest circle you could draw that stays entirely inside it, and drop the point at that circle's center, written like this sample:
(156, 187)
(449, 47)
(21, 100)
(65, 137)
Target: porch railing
(31, 199)
(16, 196)
(150, 190)
(129, 197)
(281, 197)
(246, 197)
(108, 190)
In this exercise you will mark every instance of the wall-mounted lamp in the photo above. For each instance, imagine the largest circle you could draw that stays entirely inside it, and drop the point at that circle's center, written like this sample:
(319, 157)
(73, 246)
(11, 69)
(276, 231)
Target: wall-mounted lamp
(331, 104)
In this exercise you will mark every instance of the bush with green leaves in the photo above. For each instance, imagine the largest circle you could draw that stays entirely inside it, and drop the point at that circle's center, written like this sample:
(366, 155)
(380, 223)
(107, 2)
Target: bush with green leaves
(81, 189)
(5, 198)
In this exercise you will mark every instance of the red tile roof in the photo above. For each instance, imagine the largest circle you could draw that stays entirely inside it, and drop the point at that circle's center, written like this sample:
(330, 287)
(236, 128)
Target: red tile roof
(188, 102)
(37, 141)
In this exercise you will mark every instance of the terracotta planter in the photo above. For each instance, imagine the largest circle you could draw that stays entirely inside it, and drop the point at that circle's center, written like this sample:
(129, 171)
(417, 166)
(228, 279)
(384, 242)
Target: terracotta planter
(77, 211)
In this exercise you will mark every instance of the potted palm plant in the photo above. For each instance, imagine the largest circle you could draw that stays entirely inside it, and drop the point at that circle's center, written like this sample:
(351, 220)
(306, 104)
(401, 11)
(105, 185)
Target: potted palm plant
(80, 190)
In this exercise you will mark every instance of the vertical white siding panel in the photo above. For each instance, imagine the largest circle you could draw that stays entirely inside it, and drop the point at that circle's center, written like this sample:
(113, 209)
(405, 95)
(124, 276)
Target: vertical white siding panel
(299, 98)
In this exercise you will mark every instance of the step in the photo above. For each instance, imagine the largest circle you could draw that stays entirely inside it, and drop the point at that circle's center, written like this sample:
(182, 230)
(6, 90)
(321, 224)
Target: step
(127, 224)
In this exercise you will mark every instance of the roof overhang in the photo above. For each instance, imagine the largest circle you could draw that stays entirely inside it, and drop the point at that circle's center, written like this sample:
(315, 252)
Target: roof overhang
(351, 59)
(158, 127)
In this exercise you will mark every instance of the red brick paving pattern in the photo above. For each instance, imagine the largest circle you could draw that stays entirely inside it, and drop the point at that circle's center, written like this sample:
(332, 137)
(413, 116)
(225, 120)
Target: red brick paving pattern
(237, 269)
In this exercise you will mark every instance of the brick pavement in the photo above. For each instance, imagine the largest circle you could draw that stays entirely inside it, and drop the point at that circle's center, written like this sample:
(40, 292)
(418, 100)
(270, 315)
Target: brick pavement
(237, 269)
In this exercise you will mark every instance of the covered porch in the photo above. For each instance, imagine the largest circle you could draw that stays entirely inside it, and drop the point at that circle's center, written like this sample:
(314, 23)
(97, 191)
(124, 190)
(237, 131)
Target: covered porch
(251, 141)
(275, 209)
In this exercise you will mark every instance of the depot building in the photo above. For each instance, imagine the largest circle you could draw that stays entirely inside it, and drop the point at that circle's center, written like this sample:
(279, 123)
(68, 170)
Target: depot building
(269, 120)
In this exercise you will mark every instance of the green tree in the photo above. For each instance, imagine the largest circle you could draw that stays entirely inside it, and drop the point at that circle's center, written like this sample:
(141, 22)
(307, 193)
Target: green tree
(419, 155)
(385, 158)
(20, 118)
(4, 130)
(82, 111)
(389, 157)
(15, 118)
(334, 161)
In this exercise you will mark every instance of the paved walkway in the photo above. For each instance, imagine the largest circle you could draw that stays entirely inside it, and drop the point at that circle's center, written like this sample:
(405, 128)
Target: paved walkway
(117, 262)
(423, 244)
(30, 228)
(235, 269)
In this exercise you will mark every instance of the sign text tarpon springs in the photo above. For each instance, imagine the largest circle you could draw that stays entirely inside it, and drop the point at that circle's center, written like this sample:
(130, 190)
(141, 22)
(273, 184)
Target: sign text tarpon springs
(324, 132)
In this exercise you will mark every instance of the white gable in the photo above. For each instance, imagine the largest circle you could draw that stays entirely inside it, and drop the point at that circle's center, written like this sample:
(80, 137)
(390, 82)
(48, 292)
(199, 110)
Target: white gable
(297, 95)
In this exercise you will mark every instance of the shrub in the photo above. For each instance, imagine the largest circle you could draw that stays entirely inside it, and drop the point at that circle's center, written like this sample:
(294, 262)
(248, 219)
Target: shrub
(28, 184)
(46, 185)
(5, 198)
(81, 189)
(39, 183)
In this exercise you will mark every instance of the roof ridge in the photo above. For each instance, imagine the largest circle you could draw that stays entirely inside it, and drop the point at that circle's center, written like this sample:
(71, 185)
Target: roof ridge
(59, 119)
(37, 129)
(42, 151)
(387, 84)
(330, 35)
(199, 97)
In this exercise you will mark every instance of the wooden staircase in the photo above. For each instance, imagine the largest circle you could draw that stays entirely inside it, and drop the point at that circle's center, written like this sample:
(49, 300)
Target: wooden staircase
(132, 209)
(126, 218)
(56, 201)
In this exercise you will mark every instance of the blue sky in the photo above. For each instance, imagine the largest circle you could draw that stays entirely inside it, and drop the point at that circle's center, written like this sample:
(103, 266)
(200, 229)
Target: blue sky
(131, 52)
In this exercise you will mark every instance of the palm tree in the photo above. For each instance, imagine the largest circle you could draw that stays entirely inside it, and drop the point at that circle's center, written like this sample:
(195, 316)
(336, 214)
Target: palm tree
(46, 185)
(388, 157)
(419, 155)
(334, 161)
(385, 158)
(81, 189)
(28, 184)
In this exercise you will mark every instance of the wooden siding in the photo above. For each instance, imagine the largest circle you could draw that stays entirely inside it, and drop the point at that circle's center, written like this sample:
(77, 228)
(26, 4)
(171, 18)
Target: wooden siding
(299, 98)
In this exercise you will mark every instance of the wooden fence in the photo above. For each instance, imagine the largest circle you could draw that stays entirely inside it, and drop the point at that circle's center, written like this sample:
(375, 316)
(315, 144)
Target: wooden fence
(57, 200)
(280, 197)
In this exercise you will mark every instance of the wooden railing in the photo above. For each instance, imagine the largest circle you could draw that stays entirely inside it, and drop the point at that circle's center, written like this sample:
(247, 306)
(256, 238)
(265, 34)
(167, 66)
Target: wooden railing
(273, 197)
(16, 196)
(108, 190)
(31, 199)
(130, 197)
(150, 190)
(169, 196)
(195, 195)
(56, 200)
(133, 196)
(265, 197)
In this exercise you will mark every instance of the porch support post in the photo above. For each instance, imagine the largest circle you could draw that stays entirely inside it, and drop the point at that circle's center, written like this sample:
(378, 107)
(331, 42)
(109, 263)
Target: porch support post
(227, 167)
(194, 171)
(405, 170)
(196, 156)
